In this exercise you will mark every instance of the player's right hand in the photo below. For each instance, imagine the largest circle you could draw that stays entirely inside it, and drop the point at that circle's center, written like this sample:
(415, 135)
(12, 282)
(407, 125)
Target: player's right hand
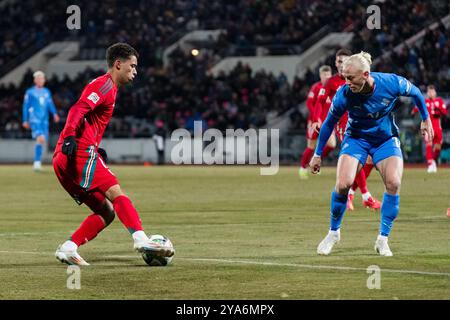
(315, 127)
(69, 147)
(315, 163)
(103, 154)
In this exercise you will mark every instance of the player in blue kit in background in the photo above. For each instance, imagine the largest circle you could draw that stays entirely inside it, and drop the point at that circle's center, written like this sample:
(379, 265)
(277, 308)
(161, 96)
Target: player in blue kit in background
(37, 105)
(369, 99)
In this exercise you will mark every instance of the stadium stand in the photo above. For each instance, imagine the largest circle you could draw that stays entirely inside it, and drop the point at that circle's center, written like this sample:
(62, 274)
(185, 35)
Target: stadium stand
(184, 90)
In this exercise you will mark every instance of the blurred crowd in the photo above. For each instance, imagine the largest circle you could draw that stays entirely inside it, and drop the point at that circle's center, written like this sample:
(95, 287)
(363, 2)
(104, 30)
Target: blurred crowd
(183, 91)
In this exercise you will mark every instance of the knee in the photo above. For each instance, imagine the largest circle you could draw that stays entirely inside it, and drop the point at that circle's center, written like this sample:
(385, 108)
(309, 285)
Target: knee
(109, 217)
(40, 140)
(393, 185)
(114, 192)
(342, 186)
(108, 214)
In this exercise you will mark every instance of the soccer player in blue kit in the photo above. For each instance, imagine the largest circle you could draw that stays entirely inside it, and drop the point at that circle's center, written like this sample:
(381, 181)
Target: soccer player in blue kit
(369, 99)
(36, 106)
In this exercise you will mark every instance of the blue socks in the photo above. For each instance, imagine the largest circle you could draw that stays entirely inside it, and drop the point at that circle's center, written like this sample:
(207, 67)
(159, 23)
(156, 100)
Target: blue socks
(338, 206)
(37, 152)
(389, 211)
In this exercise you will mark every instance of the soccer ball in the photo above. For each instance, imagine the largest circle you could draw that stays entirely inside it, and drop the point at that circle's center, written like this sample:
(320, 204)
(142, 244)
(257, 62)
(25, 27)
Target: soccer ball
(156, 261)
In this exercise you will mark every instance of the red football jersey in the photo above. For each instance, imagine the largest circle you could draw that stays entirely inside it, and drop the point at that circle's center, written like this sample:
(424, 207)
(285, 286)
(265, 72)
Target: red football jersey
(437, 109)
(89, 116)
(325, 97)
(312, 98)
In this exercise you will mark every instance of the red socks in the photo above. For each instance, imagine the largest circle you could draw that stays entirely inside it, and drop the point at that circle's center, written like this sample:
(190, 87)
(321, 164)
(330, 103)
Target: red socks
(127, 214)
(436, 154)
(361, 178)
(88, 229)
(429, 153)
(360, 181)
(326, 151)
(306, 158)
(368, 169)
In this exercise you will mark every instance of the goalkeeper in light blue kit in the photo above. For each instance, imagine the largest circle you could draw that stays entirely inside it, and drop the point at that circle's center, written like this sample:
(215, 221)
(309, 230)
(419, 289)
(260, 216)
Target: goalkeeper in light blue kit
(369, 99)
(36, 107)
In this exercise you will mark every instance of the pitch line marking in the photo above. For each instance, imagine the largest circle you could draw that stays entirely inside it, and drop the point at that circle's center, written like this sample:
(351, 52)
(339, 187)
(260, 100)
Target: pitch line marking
(305, 266)
(262, 263)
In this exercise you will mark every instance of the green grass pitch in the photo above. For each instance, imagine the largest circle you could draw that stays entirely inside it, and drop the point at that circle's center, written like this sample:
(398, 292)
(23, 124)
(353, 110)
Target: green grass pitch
(237, 234)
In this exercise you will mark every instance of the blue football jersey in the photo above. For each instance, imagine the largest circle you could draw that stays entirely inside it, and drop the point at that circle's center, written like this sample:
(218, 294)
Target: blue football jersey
(371, 116)
(37, 105)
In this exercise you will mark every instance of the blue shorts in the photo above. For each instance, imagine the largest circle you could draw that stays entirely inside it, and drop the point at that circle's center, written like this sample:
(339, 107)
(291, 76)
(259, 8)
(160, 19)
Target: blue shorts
(39, 129)
(360, 149)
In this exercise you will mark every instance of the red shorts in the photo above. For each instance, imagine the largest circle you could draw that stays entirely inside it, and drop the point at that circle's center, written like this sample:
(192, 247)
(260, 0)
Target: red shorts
(86, 178)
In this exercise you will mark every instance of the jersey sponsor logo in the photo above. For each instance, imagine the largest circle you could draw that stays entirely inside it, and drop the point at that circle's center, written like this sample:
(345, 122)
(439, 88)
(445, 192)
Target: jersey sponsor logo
(94, 97)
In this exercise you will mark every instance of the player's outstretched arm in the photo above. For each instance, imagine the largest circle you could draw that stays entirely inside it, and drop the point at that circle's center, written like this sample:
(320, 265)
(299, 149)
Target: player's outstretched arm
(426, 127)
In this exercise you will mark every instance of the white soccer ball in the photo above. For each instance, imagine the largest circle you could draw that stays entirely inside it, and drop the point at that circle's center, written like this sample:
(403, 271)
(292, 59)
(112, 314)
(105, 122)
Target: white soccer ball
(154, 260)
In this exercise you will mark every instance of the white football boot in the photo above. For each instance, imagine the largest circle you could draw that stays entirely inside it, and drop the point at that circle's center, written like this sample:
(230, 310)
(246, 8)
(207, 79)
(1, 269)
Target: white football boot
(37, 166)
(69, 256)
(432, 168)
(327, 244)
(382, 247)
(143, 244)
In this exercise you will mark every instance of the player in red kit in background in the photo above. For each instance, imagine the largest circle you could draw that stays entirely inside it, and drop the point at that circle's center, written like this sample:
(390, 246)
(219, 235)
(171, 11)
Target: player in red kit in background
(437, 109)
(311, 136)
(83, 173)
(321, 108)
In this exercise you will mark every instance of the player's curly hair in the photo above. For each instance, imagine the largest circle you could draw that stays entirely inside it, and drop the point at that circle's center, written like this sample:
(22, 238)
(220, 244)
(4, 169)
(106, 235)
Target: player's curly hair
(121, 51)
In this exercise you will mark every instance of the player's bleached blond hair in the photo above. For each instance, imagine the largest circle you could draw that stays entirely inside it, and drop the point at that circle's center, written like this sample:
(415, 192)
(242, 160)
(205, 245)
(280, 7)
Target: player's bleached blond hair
(38, 73)
(362, 60)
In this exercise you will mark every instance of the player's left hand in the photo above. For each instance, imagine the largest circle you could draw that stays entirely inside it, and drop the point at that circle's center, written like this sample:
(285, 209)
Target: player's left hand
(103, 154)
(69, 147)
(56, 118)
(426, 129)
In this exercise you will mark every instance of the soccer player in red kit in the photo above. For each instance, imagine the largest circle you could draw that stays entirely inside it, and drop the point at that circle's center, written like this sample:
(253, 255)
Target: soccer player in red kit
(321, 108)
(311, 136)
(437, 109)
(83, 173)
